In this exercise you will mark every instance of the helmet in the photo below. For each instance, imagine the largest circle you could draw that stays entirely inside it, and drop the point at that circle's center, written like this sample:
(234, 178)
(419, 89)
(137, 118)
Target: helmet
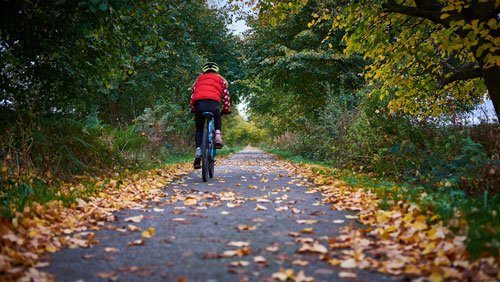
(210, 66)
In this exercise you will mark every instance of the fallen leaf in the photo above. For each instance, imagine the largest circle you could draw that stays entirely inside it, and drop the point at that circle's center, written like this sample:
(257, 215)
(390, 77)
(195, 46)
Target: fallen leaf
(307, 230)
(242, 227)
(260, 208)
(300, 262)
(238, 244)
(111, 250)
(345, 274)
(240, 263)
(339, 221)
(283, 208)
(133, 228)
(284, 274)
(190, 201)
(158, 209)
(348, 263)
(313, 248)
(135, 219)
(137, 242)
(148, 233)
(252, 187)
(301, 277)
(260, 260)
(272, 249)
(107, 275)
(306, 221)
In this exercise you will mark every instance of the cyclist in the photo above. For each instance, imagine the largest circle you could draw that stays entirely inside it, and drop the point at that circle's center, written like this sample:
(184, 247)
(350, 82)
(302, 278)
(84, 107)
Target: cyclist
(209, 90)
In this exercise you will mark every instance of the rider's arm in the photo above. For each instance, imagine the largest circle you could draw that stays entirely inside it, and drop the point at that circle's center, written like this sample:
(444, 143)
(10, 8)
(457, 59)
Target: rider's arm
(225, 98)
(191, 102)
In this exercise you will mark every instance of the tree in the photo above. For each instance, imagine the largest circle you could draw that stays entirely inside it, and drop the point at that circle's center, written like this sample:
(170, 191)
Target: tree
(429, 56)
(292, 68)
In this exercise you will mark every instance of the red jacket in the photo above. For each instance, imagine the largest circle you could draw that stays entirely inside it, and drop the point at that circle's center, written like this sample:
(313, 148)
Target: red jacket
(211, 86)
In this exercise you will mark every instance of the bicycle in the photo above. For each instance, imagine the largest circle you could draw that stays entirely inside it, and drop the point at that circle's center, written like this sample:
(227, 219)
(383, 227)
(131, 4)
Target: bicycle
(208, 149)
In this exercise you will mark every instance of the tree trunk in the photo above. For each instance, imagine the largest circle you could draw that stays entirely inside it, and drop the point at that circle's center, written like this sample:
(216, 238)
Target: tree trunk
(492, 80)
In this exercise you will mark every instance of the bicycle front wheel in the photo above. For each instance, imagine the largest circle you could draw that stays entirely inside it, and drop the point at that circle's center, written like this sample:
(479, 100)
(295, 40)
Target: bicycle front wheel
(205, 163)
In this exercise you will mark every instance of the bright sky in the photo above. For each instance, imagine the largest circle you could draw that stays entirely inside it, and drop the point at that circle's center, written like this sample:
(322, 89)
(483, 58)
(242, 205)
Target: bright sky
(238, 27)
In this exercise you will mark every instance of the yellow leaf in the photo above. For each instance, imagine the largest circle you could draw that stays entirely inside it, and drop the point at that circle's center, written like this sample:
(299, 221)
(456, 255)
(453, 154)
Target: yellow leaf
(148, 233)
(51, 248)
(428, 247)
(444, 16)
(307, 230)
(307, 221)
(190, 201)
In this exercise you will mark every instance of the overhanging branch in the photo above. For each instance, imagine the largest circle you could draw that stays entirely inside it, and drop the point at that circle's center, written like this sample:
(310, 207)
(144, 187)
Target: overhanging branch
(461, 75)
(430, 12)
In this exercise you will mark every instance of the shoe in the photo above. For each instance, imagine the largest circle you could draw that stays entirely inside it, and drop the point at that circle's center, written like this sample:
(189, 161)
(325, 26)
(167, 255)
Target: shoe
(218, 140)
(197, 159)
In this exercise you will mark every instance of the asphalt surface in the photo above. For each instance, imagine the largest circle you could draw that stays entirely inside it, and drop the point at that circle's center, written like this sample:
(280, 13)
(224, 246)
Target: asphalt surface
(189, 240)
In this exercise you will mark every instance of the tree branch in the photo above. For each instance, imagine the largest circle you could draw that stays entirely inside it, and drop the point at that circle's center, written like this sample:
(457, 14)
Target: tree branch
(464, 74)
(430, 11)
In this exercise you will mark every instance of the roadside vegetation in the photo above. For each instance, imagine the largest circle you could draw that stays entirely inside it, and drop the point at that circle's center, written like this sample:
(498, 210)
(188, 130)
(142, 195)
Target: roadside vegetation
(329, 87)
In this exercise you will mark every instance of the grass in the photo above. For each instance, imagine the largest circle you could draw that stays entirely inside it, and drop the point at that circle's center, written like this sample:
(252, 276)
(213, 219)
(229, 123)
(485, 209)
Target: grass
(480, 212)
(15, 195)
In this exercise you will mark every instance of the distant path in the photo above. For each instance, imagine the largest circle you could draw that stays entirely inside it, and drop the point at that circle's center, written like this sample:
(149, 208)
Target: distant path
(192, 233)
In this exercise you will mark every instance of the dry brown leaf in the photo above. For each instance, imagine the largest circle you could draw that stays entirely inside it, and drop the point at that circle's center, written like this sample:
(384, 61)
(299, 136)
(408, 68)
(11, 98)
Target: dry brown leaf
(111, 250)
(349, 263)
(238, 244)
(301, 277)
(345, 274)
(272, 249)
(307, 221)
(133, 228)
(135, 219)
(260, 260)
(240, 263)
(313, 248)
(300, 262)
(260, 208)
(137, 242)
(242, 227)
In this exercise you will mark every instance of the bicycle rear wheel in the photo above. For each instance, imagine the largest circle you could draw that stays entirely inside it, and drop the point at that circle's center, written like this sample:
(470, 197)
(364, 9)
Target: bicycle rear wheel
(211, 159)
(205, 154)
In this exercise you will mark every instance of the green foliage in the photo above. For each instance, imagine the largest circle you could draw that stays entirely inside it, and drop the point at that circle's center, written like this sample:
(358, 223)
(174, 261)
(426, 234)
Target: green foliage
(86, 85)
(238, 132)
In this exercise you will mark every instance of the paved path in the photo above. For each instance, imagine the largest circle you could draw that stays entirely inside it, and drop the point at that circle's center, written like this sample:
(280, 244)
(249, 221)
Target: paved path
(192, 233)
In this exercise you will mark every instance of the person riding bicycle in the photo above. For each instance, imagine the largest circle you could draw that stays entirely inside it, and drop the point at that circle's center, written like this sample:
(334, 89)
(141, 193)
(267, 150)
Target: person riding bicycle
(209, 90)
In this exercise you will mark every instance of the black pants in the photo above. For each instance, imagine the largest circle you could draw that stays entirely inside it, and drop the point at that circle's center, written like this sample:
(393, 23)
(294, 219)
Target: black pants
(202, 106)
